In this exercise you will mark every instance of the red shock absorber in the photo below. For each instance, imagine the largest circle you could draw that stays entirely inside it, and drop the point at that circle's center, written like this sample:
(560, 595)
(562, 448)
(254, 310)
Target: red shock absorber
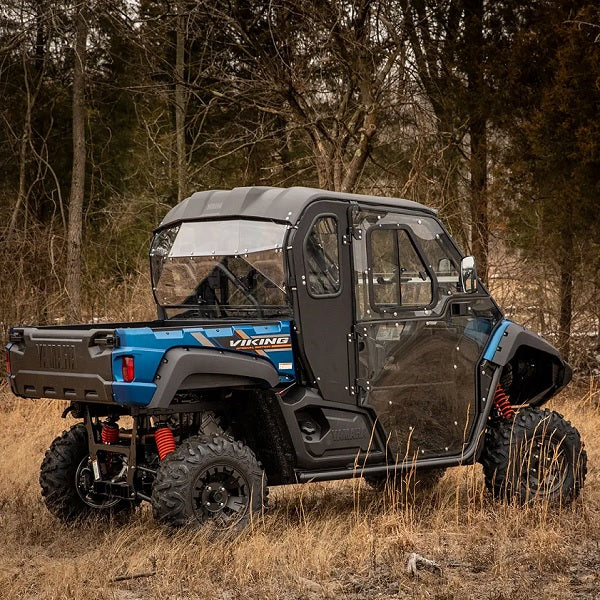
(502, 403)
(110, 432)
(165, 442)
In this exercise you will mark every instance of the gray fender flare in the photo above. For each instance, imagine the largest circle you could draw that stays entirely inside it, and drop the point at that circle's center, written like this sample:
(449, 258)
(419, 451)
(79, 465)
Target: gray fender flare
(516, 336)
(552, 377)
(204, 368)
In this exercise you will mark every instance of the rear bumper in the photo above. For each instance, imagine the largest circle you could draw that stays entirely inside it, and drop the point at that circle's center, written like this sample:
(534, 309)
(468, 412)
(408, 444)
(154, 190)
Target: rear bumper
(62, 363)
(65, 386)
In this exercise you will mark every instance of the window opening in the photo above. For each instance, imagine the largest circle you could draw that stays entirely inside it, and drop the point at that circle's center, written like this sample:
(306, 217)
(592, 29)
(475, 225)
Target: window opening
(398, 276)
(321, 258)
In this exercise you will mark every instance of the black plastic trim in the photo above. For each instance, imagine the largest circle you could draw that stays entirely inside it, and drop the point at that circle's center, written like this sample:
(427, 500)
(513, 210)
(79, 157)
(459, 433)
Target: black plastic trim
(367, 444)
(72, 363)
(516, 336)
(202, 368)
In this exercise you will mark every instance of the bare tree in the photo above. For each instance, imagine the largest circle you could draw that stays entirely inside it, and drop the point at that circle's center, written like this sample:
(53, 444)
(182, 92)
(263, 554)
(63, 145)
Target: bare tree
(449, 52)
(324, 69)
(74, 234)
(180, 103)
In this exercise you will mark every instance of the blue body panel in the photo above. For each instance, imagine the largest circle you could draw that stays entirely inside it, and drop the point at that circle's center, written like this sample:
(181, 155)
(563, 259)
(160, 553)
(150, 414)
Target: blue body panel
(495, 340)
(148, 346)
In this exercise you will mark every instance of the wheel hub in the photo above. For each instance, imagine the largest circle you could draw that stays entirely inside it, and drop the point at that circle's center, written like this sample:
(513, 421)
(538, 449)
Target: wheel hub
(221, 491)
(85, 477)
(84, 483)
(214, 497)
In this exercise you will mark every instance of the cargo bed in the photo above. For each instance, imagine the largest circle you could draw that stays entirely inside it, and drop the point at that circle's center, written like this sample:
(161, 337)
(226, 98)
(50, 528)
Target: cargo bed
(71, 362)
(84, 362)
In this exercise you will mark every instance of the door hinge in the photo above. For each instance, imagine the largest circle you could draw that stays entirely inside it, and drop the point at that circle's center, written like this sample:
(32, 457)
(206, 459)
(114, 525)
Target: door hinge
(363, 384)
(359, 332)
(362, 388)
(354, 335)
(352, 233)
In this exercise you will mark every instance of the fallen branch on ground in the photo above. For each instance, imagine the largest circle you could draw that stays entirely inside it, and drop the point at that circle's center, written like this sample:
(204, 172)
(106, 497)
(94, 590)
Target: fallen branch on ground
(134, 576)
(416, 560)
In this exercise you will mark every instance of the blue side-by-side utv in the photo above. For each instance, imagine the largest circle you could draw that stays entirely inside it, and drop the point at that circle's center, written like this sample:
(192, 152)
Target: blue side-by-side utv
(302, 335)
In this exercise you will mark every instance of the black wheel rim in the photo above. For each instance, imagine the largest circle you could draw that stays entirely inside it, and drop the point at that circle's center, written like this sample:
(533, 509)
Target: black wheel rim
(221, 494)
(84, 480)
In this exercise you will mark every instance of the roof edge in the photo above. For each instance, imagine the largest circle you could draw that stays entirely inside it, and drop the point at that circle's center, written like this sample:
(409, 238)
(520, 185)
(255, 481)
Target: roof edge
(274, 203)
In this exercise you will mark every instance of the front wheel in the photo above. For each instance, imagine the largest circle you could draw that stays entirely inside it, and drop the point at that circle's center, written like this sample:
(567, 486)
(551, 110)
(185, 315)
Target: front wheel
(215, 480)
(536, 455)
(66, 478)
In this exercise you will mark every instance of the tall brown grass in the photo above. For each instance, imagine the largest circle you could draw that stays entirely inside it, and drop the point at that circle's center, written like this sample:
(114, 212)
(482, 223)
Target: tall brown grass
(329, 540)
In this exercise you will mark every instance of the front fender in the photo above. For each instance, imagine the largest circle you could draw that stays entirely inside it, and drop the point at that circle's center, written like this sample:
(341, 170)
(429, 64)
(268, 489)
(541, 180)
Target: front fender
(203, 368)
(537, 368)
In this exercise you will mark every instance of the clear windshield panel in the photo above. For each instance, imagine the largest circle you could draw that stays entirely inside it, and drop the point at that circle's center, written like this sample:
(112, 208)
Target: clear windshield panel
(199, 271)
(205, 238)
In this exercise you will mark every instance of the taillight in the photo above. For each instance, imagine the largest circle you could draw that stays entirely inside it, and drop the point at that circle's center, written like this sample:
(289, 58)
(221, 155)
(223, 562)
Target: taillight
(127, 368)
(8, 362)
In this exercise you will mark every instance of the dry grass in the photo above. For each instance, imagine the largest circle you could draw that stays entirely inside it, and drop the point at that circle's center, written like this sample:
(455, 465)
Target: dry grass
(332, 540)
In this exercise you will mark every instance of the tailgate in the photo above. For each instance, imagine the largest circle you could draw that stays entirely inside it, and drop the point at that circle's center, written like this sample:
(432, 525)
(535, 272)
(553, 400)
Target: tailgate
(73, 364)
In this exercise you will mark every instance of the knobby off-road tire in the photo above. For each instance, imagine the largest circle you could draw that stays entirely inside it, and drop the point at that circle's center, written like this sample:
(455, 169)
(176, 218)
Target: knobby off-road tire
(419, 481)
(536, 455)
(65, 479)
(215, 480)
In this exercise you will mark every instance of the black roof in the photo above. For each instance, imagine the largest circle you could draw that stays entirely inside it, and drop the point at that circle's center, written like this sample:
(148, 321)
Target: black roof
(279, 204)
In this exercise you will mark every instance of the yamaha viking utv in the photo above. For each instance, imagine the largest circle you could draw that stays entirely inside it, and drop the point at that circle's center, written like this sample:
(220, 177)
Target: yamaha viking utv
(302, 335)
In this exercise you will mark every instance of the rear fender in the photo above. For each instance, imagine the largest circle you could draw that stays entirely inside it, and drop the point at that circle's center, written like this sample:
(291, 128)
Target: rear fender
(202, 368)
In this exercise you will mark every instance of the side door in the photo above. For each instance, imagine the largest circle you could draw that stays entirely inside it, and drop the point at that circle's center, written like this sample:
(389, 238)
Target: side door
(323, 304)
(421, 337)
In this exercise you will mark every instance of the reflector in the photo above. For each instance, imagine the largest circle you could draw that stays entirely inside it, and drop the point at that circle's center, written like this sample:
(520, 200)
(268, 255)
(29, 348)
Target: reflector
(128, 368)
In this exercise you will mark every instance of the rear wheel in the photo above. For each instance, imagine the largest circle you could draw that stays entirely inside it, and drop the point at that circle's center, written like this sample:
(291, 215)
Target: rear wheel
(66, 478)
(535, 455)
(215, 480)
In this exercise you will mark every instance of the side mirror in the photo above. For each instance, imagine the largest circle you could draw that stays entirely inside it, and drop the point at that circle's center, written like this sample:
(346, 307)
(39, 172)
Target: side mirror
(468, 274)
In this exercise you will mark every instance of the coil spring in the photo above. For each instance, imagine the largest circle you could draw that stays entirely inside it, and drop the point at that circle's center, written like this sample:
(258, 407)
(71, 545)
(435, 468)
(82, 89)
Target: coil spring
(165, 442)
(110, 432)
(502, 403)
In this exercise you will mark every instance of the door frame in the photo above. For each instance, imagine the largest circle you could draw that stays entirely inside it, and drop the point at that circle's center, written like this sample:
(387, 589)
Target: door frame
(485, 375)
(328, 362)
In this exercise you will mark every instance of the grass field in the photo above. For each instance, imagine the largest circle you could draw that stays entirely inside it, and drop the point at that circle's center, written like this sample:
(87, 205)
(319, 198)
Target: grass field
(331, 540)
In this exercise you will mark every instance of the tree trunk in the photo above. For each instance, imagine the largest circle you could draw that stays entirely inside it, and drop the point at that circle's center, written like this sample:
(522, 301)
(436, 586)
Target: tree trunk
(361, 153)
(73, 279)
(40, 201)
(479, 204)
(476, 101)
(567, 265)
(180, 102)
(23, 156)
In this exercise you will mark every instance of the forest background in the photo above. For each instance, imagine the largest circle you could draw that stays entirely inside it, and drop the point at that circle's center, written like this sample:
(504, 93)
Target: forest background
(112, 111)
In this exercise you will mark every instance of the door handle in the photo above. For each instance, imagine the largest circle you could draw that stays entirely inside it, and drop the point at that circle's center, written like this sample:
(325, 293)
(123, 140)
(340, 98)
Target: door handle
(459, 309)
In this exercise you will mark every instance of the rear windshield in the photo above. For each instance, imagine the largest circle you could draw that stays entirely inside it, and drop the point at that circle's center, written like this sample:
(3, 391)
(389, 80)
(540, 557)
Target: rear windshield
(220, 269)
